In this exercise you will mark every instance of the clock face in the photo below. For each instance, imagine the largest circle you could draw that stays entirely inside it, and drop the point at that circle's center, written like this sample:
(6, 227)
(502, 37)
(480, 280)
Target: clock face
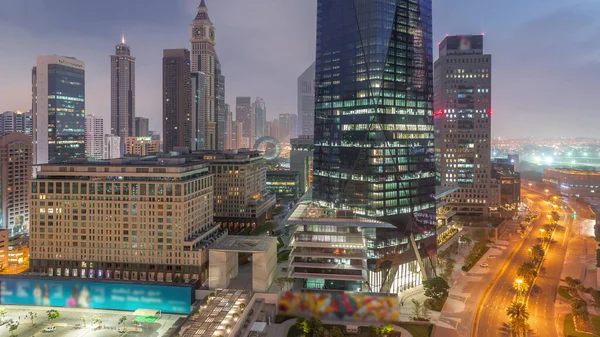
(198, 32)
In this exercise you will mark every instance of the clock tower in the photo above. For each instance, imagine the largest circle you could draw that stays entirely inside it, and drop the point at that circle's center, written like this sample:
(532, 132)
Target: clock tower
(203, 59)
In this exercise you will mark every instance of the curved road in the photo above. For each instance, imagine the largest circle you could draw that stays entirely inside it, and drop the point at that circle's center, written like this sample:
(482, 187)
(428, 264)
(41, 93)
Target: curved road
(492, 319)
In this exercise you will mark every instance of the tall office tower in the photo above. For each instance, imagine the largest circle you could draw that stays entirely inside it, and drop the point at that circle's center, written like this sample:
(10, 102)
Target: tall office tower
(240, 188)
(58, 102)
(301, 160)
(112, 147)
(142, 127)
(260, 115)
(204, 59)
(16, 121)
(94, 137)
(273, 129)
(306, 102)
(122, 92)
(198, 122)
(241, 142)
(463, 122)
(244, 114)
(16, 159)
(287, 125)
(374, 149)
(228, 128)
(177, 99)
(152, 225)
(220, 107)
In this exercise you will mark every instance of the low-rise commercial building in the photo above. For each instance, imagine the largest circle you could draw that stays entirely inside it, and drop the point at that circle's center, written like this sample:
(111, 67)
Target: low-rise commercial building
(145, 219)
(141, 146)
(284, 184)
(573, 182)
(241, 198)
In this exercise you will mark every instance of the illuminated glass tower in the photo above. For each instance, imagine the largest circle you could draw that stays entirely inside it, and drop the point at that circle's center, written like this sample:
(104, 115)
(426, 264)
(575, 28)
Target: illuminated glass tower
(374, 133)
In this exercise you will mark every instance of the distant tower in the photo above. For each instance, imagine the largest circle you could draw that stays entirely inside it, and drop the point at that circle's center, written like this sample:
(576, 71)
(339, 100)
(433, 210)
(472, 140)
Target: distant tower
(306, 102)
(94, 137)
(177, 99)
(204, 59)
(260, 115)
(122, 92)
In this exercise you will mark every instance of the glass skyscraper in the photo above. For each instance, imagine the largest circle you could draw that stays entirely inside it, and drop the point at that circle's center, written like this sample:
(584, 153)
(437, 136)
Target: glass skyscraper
(374, 133)
(58, 109)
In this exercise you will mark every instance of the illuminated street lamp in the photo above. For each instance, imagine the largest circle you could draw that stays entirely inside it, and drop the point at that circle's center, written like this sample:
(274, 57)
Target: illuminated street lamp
(546, 190)
(520, 286)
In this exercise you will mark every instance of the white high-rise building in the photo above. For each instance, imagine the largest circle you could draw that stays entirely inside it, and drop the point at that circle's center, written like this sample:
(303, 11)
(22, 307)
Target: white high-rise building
(58, 88)
(112, 147)
(203, 59)
(94, 137)
(306, 102)
(122, 92)
(463, 117)
(16, 121)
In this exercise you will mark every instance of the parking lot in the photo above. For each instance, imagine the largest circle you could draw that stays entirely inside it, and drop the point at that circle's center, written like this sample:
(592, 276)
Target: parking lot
(70, 323)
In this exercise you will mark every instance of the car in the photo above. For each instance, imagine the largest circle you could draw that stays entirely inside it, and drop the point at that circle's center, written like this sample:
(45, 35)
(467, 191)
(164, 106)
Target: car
(121, 330)
(484, 265)
(491, 257)
(50, 329)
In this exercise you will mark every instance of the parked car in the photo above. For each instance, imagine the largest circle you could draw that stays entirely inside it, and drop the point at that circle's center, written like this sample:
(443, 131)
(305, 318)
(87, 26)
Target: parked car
(50, 329)
(491, 257)
(121, 330)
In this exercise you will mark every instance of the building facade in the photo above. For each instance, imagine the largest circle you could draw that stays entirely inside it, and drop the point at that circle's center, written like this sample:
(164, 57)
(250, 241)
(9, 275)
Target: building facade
(306, 102)
(220, 107)
(122, 92)
(374, 166)
(112, 147)
(301, 160)
(508, 182)
(16, 159)
(147, 220)
(198, 122)
(141, 146)
(142, 127)
(177, 99)
(285, 185)
(58, 109)
(260, 115)
(573, 182)
(228, 128)
(204, 59)
(16, 121)
(241, 198)
(94, 137)
(463, 113)
(245, 114)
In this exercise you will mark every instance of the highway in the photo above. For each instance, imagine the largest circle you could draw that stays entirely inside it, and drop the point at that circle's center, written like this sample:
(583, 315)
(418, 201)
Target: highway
(492, 319)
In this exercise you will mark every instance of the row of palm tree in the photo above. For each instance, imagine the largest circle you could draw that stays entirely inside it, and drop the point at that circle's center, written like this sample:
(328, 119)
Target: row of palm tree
(518, 315)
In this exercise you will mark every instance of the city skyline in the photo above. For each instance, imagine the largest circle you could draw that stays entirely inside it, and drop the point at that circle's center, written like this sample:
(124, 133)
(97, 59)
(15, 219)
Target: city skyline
(515, 39)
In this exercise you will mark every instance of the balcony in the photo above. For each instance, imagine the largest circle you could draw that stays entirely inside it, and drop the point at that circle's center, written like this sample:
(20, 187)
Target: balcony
(329, 253)
(332, 265)
(328, 276)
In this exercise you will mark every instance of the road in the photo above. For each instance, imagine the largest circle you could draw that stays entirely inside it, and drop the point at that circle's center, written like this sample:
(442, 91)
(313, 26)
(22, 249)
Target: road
(492, 320)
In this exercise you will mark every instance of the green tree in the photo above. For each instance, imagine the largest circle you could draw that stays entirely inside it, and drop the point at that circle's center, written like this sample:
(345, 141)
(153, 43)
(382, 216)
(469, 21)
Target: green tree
(3, 312)
(316, 326)
(302, 325)
(572, 283)
(385, 330)
(336, 332)
(97, 320)
(122, 319)
(437, 290)
(580, 309)
(12, 326)
(527, 272)
(83, 320)
(518, 314)
(32, 315)
(53, 314)
(242, 307)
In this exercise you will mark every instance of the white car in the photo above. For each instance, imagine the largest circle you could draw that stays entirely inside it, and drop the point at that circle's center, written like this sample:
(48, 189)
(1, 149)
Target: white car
(121, 330)
(50, 329)
(484, 265)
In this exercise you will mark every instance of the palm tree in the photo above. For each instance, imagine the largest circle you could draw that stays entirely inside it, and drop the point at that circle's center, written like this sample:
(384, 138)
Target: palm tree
(527, 272)
(518, 315)
(537, 252)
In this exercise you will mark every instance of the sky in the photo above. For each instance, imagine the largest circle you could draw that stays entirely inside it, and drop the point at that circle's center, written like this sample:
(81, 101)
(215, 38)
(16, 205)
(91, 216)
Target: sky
(546, 53)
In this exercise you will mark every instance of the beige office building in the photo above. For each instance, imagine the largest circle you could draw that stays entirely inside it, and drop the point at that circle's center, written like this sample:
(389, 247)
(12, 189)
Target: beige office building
(240, 180)
(16, 158)
(127, 218)
(141, 146)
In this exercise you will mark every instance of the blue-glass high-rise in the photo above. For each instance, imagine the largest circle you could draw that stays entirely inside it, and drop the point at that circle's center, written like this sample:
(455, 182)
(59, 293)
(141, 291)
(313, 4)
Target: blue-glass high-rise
(374, 131)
